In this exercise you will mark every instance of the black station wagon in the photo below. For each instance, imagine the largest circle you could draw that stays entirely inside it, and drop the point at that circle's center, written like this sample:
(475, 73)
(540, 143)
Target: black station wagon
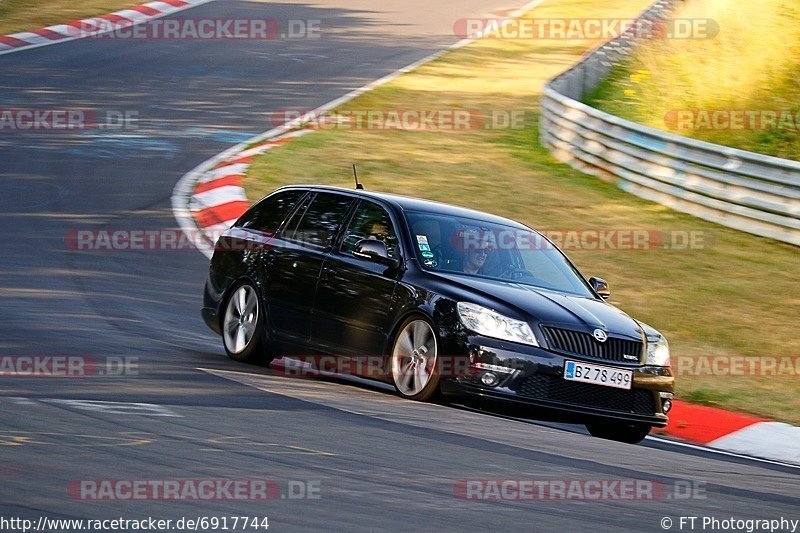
(440, 300)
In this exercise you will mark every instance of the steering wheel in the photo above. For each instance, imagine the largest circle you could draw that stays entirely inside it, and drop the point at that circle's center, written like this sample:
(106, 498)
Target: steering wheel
(513, 272)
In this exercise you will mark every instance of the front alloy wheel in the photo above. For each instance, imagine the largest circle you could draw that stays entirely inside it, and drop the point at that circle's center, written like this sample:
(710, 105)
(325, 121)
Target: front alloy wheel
(414, 360)
(242, 323)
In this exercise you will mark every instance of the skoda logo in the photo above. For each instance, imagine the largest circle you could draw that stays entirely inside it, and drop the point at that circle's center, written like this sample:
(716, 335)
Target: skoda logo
(600, 335)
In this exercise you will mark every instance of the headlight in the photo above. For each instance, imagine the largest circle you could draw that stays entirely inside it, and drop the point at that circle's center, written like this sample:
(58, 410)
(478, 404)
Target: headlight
(487, 322)
(657, 351)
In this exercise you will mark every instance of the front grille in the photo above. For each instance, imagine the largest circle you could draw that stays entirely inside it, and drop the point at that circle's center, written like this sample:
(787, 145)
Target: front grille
(579, 343)
(556, 389)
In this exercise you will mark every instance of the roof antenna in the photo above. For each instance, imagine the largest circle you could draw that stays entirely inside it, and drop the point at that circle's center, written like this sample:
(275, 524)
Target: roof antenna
(355, 175)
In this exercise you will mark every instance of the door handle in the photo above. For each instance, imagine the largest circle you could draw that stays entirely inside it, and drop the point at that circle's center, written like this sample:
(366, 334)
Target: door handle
(267, 258)
(328, 272)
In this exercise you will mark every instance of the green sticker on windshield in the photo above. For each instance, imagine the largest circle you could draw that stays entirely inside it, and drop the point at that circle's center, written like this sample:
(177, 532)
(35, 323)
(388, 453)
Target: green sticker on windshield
(427, 254)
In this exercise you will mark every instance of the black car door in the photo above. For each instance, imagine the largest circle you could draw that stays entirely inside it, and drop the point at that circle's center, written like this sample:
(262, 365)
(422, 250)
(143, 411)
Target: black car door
(354, 296)
(292, 267)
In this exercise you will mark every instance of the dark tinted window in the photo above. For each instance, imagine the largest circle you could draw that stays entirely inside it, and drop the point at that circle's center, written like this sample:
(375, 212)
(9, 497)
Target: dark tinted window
(486, 249)
(370, 221)
(321, 220)
(268, 214)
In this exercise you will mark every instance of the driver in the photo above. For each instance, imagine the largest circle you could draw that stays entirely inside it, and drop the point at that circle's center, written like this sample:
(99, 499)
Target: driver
(474, 260)
(376, 230)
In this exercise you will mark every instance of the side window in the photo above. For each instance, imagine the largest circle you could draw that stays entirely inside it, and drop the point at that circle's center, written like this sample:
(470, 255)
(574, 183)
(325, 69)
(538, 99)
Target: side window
(321, 220)
(370, 221)
(268, 214)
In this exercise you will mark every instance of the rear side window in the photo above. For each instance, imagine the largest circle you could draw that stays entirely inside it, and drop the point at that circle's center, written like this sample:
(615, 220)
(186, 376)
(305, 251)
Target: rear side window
(321, 220)
(268, 214)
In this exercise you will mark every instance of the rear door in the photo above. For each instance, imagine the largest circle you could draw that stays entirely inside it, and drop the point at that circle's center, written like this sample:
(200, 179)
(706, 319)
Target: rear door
(241, 249)
(293, 266)
(354, 295)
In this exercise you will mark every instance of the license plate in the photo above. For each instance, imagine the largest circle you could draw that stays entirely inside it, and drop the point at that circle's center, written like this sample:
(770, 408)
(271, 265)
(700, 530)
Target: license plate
(599, 375)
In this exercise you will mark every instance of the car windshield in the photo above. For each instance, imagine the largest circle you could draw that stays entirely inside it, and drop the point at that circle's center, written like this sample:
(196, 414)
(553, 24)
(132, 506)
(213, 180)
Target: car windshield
(486, 249)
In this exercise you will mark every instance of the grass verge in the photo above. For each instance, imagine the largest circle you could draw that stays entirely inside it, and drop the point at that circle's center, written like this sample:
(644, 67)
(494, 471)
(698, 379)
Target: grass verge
(736, 295)
(25, 15)
(750, 66)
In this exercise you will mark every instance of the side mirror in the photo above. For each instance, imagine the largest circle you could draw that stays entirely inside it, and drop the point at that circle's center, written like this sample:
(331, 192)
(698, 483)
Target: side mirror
(600, 287)
(375, 251)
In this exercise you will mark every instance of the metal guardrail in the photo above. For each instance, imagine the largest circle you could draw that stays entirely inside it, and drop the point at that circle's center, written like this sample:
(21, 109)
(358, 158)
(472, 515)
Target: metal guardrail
(743, 190)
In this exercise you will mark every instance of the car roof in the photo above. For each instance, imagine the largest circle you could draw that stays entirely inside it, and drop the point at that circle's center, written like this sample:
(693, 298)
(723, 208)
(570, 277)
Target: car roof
(408, 203)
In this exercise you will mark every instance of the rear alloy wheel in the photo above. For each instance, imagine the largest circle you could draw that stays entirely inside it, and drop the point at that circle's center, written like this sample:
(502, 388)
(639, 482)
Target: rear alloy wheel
(414, 360)
(242, 325)
(630, 432)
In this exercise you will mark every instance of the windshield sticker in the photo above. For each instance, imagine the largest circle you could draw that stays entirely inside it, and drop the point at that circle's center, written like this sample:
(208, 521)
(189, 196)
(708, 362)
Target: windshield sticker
(424, 247)
(427, 254)
(422, 239)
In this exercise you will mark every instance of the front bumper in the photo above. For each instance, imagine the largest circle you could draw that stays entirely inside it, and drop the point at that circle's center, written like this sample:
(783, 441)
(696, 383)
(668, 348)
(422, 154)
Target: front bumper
(535, 377)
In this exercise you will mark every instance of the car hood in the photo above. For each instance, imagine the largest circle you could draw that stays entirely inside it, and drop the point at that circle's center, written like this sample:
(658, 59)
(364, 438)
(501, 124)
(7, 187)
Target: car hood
(552, 308)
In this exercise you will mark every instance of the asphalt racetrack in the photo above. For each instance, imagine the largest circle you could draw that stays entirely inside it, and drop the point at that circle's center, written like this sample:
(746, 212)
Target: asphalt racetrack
(343, 455)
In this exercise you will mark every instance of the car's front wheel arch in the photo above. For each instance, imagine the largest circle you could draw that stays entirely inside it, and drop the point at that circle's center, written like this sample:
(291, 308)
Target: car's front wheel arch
(257, 350)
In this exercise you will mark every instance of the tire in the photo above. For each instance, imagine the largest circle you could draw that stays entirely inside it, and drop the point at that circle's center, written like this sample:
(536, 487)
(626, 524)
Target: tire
(414, 360)
(629, 432)
(243, 325)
